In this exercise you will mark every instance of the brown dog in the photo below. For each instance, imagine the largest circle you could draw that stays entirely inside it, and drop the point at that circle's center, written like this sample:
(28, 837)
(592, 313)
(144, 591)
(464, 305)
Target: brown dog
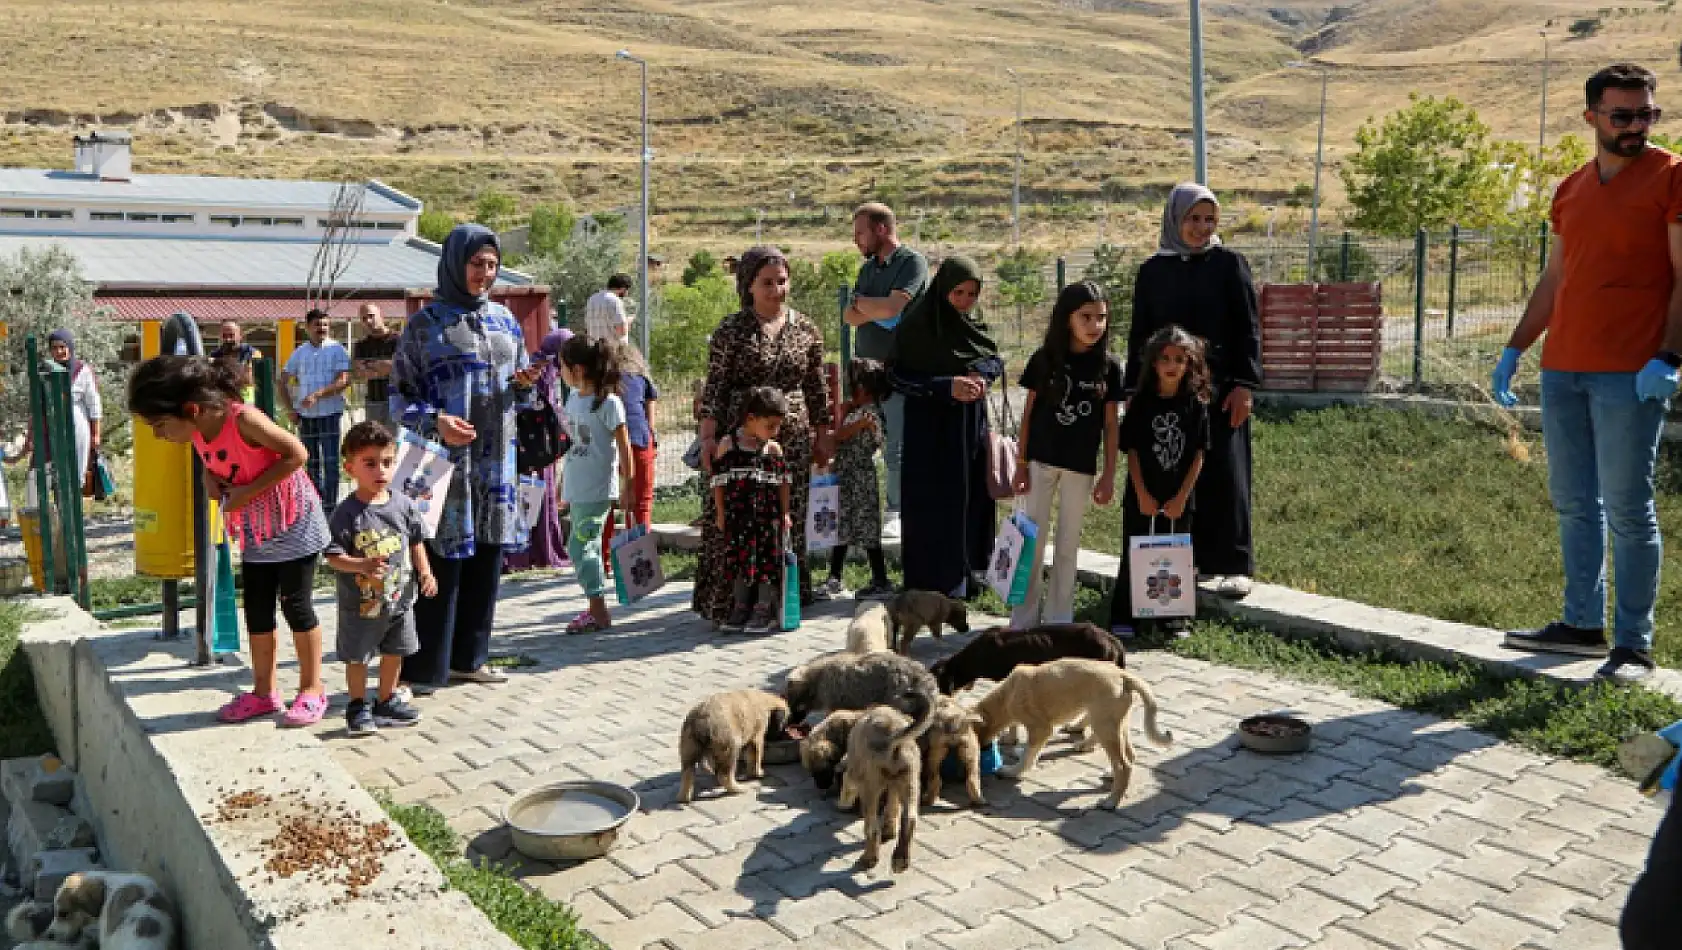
(824, 748)
(912, 610)
(719, 728)
(953, 728)
(994, 653)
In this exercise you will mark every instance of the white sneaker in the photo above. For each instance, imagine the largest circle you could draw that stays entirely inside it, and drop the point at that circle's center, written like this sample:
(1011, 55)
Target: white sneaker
(1234, 587)
(890, 527)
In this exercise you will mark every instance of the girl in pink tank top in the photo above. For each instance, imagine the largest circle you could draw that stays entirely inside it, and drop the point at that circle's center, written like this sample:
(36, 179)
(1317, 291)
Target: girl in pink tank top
(256, 470)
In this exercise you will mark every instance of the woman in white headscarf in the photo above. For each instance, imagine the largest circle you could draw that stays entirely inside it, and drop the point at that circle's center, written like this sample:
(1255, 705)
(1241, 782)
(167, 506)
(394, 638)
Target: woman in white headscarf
(1194, 282)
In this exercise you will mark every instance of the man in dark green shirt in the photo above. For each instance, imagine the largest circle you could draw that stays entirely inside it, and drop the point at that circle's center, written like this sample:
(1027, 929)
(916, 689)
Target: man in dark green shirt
(891, 277)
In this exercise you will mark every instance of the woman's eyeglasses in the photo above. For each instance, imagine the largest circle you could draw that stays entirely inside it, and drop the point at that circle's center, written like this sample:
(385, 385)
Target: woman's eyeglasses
(1624, 118)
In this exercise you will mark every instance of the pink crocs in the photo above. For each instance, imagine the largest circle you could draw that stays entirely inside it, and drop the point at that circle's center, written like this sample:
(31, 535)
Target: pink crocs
(306, 710)
(249, 706)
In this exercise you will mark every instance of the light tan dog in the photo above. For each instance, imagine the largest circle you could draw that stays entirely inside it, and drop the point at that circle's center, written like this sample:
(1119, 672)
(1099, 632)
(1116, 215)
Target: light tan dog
(1046, 696)
(98, 909)
(883, 763)
(953, 728)
(719, 728)
(869, 631)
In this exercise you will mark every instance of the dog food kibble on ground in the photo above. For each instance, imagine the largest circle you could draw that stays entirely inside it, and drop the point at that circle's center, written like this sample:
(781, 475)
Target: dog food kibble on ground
(325, 843)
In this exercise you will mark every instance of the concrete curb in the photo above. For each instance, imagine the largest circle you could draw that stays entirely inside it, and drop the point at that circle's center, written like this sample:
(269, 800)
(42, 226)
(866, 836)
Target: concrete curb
(139, 724)
(1356, 626)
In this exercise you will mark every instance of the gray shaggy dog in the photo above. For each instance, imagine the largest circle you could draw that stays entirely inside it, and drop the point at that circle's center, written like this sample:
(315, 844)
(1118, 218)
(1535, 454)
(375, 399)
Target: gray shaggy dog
(859, 681)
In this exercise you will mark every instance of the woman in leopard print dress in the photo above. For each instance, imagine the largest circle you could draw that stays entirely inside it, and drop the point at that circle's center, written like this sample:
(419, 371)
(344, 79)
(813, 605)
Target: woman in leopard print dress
(763, 344)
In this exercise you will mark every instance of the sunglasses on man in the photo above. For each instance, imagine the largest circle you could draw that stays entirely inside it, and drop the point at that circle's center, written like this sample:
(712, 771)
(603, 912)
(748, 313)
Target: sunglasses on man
(1624, 118)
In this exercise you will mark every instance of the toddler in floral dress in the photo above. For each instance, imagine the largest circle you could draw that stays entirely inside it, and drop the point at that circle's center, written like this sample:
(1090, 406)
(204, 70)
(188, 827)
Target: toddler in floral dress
(750, 485)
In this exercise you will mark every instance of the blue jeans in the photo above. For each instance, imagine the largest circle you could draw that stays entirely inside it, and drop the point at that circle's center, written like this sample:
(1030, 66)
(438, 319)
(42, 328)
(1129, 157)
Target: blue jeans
(893, 443)
(321, 437)
(1603, 442)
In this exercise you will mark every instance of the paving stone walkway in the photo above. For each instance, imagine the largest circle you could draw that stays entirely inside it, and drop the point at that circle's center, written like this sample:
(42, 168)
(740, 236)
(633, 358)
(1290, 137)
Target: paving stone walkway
(1399, 830)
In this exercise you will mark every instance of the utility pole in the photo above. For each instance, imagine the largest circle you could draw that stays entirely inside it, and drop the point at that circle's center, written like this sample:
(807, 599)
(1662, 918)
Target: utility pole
(643, 316)
(1016, 174)
(1200, 145)
(1542, 133)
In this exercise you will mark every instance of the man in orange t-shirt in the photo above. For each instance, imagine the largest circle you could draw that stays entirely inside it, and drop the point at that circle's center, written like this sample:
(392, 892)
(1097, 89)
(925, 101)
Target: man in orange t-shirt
(1611, 306)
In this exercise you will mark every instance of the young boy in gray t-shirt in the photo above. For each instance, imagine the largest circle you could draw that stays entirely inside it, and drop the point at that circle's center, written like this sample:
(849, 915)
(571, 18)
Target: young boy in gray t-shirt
(379, 550)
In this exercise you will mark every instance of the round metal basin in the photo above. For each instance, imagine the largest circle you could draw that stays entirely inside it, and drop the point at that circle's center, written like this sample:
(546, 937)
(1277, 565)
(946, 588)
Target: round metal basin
(569, 821)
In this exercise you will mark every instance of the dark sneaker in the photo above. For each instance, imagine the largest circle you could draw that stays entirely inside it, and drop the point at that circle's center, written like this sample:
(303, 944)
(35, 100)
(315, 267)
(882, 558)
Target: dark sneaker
(1626, 666)
(831, 589)
(762, 620)
(1558, 638)
(359, 718)
(737, 620)
(395, 712)
(875, 591)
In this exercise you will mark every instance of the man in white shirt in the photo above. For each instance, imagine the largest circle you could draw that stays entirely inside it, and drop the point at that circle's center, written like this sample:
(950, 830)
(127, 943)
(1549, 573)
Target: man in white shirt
(604, 314)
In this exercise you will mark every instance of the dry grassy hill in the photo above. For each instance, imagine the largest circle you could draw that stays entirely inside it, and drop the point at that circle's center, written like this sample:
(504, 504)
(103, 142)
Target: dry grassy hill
(787, 105)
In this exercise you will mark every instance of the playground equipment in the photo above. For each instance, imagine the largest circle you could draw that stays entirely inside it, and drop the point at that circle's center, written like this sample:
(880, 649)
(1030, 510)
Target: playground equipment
(53, 538)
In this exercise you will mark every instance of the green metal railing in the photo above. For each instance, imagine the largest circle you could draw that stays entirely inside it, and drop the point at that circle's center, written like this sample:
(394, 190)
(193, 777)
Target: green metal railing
(58, 490)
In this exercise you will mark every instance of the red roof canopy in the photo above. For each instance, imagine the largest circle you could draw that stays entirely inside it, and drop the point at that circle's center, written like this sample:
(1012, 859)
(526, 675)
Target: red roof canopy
(238, 309)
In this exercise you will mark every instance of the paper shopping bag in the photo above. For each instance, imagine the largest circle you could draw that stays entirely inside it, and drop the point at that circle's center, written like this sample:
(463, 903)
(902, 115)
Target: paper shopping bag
(823, 518)
(1164, 579)
(1011, 567)
(790, 587)
(533, 488)
(636, 564)
(423, 473)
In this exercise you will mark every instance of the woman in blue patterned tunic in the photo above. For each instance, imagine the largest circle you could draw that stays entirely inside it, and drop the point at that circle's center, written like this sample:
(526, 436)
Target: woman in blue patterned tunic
(460, 373)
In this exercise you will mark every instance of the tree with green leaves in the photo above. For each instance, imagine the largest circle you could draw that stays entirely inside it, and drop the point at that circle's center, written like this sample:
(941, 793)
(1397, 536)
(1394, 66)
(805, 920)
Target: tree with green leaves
(1535, 176)
(1429, 165)
(701, 264)
(494, 209)
(579, 268)
(1111, 270)
(814, 290)
(41, 291)
(1022, 282)
(685, 315)
(435, 226)
(550, 227)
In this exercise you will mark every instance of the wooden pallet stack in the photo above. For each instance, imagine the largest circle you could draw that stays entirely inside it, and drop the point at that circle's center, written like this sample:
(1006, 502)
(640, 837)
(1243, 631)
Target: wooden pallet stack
(1321, 337)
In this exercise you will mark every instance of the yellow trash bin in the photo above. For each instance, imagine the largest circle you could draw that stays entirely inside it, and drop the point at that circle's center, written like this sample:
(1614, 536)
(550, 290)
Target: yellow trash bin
(29, 525)
(163, 507)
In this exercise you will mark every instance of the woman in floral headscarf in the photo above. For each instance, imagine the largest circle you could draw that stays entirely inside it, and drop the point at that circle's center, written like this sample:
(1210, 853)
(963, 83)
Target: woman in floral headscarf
(763, 344)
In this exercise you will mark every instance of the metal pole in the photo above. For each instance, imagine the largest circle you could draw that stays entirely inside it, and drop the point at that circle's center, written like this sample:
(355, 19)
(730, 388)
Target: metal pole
(38, 463)
(1419, 308)
(1542, 133)
(1453, 273)
(1016, 170)
(1343, 259)
(1062, 273)
(69, 486)
(1199, 145)
(843, 297)
(1319, 154)
(642, 260)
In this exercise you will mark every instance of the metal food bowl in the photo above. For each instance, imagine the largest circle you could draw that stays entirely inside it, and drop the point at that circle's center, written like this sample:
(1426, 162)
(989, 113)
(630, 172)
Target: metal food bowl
(1275, 734)
(569, 821)
(783, 748)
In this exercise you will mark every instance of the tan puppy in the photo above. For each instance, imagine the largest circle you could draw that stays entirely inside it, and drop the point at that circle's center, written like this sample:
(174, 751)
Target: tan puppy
(870, 630)
(719, 728)
(883, 762)
(953, 728)
(825, 746)
(1046, 696)
(912, 610)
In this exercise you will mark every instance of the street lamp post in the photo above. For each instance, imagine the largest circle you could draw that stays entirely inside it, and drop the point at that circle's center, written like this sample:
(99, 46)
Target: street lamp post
(1016, 173)
(1319, 160)
(1200, 147)
(647, 156)
(1542, 133)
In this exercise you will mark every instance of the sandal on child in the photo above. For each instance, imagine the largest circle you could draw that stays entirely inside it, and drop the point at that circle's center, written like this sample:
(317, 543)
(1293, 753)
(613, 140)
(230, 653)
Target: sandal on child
(585, 622)
(306, 710)
(249, 706)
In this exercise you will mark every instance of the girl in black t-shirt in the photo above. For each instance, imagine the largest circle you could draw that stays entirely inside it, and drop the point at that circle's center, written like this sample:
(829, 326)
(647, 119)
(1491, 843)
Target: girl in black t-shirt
(1074, 391)
(1165, 433)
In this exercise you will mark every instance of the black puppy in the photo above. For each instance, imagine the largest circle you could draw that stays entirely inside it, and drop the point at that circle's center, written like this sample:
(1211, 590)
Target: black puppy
(994, 653)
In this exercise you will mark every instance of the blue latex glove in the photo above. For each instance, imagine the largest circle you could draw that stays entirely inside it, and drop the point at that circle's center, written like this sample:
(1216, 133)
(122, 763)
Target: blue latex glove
(1657, 381)
(1501, 383)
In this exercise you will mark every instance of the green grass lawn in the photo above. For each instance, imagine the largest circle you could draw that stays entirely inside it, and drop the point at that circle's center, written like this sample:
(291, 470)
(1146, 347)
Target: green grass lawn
(1415, 512)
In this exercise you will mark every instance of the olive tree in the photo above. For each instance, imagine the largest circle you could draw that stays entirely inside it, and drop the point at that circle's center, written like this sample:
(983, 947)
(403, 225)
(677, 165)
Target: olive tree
(42, 290)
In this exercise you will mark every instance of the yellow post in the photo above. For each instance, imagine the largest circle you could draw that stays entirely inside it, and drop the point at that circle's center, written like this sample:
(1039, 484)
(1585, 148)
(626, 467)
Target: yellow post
(285, 341)
(163, 491)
